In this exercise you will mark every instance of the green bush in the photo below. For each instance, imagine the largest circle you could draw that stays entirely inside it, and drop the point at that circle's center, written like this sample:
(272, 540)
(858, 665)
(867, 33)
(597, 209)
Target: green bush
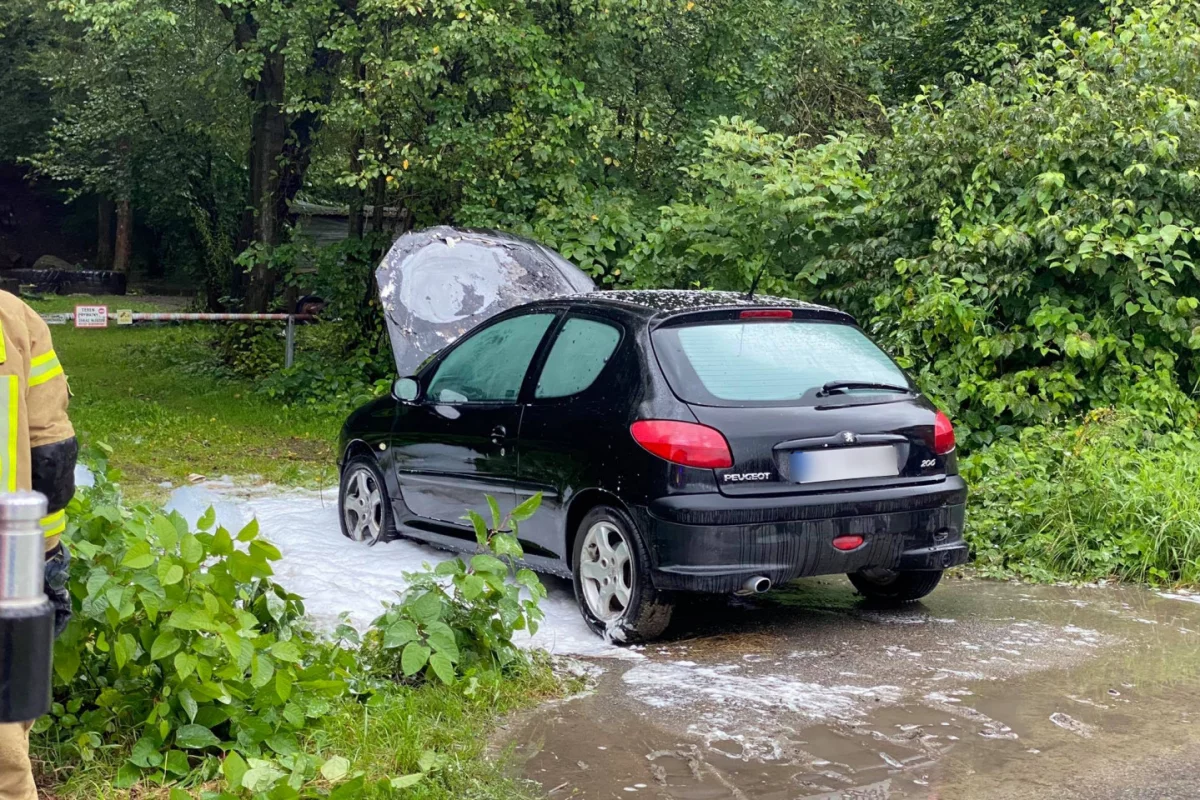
(759, 202)
(188, 660)
(461, 617)
(344, 278)
(1113, 496)
(183, 648)
(345, 359)
(327, 385)
(1044, 229)
(332, 372)
(251, 349)
(1027, 245)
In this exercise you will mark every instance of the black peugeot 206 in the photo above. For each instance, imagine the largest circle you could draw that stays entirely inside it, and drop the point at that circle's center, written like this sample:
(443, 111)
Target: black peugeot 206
(684, 443)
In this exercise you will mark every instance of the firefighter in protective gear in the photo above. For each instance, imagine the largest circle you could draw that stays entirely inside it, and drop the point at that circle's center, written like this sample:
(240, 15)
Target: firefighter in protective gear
(37, 451)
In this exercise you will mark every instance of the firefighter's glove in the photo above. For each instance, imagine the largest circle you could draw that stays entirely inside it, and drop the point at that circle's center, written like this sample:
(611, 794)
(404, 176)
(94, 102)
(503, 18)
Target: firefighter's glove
(57, 562)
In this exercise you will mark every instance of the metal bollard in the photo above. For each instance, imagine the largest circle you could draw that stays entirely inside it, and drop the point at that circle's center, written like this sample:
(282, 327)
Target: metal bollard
(26, 616)
(289, 356)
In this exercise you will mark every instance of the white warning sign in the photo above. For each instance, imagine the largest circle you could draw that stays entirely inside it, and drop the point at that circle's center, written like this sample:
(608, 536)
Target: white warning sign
(91, 316)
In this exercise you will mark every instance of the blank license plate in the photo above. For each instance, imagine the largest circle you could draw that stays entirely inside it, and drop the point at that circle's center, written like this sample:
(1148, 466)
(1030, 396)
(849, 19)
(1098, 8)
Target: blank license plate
(843, 464)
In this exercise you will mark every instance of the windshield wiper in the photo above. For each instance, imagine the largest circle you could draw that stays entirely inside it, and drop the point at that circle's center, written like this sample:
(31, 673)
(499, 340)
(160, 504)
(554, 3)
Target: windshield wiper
(845, 386)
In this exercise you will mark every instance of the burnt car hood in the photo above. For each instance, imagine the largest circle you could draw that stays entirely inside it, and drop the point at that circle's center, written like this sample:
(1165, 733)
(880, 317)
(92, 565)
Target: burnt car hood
(439, 283)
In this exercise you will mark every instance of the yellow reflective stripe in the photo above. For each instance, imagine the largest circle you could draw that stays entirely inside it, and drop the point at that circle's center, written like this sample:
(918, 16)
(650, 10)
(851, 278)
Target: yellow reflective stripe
(9, 397)
(43, 368)
(38, 380)
(44, 358)
(3, 348)
(54, 524)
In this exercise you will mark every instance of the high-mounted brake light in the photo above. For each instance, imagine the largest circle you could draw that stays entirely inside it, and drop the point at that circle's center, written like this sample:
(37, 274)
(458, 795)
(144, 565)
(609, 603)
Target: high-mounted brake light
(943, 434)
(767, 313)
(685, 443)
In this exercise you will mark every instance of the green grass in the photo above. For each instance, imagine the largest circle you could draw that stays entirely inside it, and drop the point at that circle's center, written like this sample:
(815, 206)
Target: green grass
(383, 738)
(158, 396)
(1108, 497)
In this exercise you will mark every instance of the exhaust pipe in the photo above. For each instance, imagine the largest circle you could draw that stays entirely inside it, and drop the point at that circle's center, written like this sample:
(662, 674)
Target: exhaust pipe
(756, 585)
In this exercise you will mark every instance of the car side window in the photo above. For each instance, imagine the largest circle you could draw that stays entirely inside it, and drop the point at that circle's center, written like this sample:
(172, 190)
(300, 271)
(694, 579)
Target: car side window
(490, 366)
(579, 354)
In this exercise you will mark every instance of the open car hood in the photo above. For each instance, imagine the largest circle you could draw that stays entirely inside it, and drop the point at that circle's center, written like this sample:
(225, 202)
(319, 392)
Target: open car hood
(439, 283)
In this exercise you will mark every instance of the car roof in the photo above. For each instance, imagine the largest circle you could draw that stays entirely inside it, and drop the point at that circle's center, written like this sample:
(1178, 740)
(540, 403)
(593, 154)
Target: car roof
(658, 303)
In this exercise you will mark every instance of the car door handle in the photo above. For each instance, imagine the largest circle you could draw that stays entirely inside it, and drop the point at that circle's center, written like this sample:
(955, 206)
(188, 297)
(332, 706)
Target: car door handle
(499, 434)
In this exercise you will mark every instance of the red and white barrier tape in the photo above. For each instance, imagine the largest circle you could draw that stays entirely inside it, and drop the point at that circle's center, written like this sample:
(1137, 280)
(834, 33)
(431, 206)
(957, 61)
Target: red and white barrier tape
(166, 317)
(170, 317)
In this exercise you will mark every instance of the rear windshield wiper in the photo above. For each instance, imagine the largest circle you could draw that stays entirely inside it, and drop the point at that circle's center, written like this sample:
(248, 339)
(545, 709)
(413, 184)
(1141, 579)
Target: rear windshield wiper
(845, 386)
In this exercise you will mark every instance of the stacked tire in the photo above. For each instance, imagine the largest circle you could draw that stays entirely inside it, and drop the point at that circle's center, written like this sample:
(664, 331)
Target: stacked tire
(62, 281)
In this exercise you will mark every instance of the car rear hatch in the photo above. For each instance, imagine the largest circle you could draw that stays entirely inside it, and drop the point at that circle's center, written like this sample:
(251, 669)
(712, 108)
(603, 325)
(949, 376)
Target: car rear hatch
(805, 400)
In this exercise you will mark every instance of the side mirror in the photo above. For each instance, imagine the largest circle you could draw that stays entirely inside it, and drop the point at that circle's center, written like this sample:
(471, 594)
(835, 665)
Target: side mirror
(406, 390)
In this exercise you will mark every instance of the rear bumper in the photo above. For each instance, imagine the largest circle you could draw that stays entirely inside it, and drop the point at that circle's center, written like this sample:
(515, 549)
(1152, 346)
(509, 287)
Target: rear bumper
(712, 543)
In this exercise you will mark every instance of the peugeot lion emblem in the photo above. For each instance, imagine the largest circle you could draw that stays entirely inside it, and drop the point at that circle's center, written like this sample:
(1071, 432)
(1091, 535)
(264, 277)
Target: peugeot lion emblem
(849, 438)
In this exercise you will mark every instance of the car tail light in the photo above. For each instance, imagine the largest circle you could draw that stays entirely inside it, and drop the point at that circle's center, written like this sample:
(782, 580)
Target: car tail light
(847, 542)
(684, 443)
(943, 435)
(767, 313)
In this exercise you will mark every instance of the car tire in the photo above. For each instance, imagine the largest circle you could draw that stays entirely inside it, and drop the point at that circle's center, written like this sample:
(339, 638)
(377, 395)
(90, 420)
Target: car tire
(364, 508)
(61, 281)
(615, 595)
(895, 587)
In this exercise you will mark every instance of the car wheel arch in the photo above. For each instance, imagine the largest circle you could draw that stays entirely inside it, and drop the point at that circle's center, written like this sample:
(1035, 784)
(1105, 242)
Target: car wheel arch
(583, 502)
(354, 449)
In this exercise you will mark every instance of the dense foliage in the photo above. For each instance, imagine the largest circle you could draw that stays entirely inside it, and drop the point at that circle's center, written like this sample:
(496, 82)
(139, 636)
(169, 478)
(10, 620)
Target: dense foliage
(1025, 245)
(568, 120)
(1045, 227)
(186, 655)
(1004, 196)
(1108, 497)
(1023, 242)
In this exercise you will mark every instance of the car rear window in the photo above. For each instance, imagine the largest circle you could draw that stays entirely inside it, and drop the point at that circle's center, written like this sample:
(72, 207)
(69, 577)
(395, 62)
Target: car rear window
(739, 363)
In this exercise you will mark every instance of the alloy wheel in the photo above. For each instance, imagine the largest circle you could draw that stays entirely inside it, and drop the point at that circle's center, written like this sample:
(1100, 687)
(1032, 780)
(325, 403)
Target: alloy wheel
(362, 506)
(606, 571)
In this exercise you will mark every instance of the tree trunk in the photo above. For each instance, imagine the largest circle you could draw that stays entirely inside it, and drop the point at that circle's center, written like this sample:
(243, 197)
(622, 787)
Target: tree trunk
(356, 223)
(124, 244)
(279, 156)
(268, 134)
(104, 233)
(358, 141)
(380, 199)
(280, 145)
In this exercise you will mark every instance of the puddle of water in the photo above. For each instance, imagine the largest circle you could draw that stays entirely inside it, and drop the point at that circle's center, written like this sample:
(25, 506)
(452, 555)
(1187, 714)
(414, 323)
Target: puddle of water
(985, 690)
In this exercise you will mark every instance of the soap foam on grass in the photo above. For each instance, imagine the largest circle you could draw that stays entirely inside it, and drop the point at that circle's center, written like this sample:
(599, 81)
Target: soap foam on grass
(338, 576)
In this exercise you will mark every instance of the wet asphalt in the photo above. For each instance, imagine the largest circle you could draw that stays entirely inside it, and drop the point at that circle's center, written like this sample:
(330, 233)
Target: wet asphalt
(984, 690)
